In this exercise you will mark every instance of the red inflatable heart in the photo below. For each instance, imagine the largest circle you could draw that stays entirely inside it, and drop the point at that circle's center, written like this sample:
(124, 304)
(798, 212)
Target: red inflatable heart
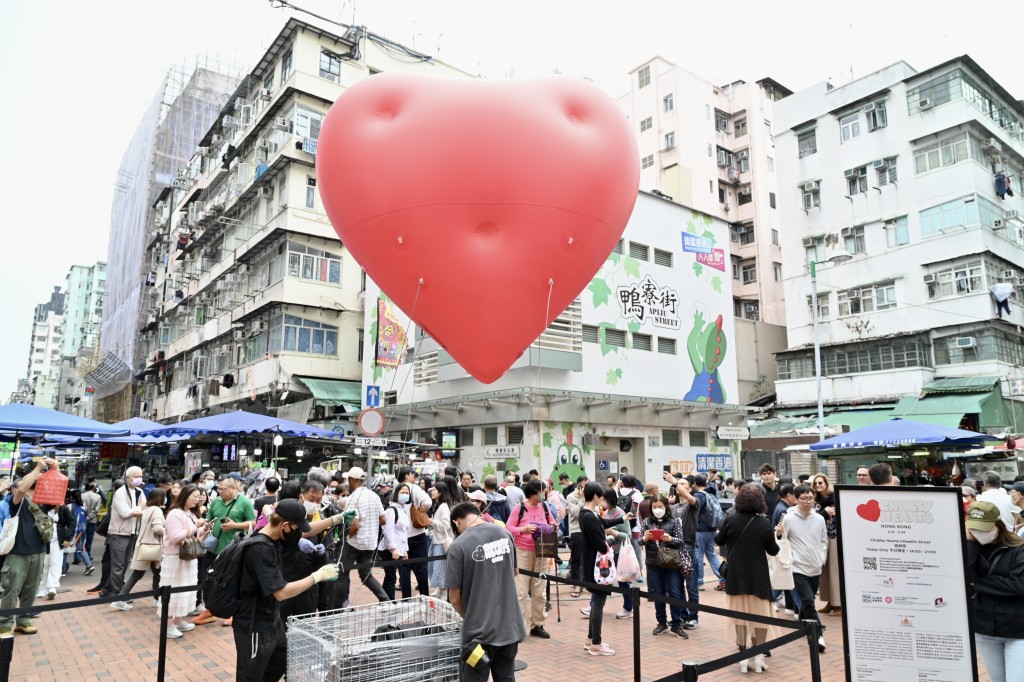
(481, 208)
(869, 511)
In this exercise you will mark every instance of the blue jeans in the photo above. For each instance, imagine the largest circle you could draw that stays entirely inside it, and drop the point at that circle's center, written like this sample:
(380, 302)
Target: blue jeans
(1004, 657)
(669, 583)
(706, 548)
(689, 583)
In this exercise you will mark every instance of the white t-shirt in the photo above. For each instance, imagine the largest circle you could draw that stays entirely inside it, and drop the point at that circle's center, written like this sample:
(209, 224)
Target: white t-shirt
(370, 509)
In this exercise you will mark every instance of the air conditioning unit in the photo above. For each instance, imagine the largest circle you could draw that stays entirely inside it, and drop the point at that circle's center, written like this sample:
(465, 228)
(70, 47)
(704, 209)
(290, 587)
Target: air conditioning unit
(846, 232)
(265, 193)
(808, 242)
(229, 121)
(239, 335)
(184, 310)
(216, 140)
(257, 327)
(183, 174)
(203, 151)
(265, 94)
(853, 295)
(745, 154)
(870, 106)
(992, 144)
(231, 278)
(851, 173)
(750, 308)
(924, 103)
(280, 123)
(810, 186)
(243, 268)
(929, 278)
(998, 224)
(1007, 274)
(1011, 215)
(966, 342)
(240, 102)
(261, 143)
(880, 163)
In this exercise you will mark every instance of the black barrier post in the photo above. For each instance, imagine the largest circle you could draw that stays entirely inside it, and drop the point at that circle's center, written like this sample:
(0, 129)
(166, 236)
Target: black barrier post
(689, 671)
(7, 653)
(161, 661)
(634, 595)
(813, 629)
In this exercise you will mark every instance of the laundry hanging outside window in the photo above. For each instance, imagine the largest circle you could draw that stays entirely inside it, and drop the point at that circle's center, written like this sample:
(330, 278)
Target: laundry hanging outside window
(1002, 293)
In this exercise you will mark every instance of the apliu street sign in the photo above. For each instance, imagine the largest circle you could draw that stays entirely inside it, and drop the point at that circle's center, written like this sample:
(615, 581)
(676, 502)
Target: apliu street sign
(733, 432)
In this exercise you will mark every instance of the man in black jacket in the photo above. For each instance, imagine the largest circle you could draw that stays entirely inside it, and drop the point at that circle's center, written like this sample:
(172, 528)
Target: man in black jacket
(769, 485)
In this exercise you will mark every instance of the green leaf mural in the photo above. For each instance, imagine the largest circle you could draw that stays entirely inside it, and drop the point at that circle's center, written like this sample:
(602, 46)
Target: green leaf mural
(633, 327)
(601, 291)
(708, 234)
(716, 284)
(631, 266)
(605, 348)
(548, 439)
(708, 220)
(615, 258)
(613, 376)
(698, 269)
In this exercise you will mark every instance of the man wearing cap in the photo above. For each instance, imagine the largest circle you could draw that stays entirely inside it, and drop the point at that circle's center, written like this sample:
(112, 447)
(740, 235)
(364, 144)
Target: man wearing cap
(261, 648)
(993, 492)
(361, 543)
(231, 512)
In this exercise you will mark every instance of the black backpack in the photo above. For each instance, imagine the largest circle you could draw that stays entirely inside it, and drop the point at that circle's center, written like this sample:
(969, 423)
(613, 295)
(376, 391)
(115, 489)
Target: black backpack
(222, 587)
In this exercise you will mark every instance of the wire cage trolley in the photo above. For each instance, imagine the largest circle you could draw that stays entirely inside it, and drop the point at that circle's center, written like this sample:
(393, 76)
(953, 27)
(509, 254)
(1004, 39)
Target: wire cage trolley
(410, 640)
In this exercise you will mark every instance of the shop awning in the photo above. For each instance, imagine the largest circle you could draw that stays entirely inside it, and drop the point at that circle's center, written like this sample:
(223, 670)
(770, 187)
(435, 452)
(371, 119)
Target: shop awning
(857, 419)
(949, 409)
(334, 392)
(961, 385)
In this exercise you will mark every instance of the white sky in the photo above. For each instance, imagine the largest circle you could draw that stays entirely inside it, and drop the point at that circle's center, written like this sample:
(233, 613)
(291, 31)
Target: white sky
(77, 76)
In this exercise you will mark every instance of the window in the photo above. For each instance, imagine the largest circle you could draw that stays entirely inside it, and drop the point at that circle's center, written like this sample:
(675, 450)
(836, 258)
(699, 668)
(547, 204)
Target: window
(775, 236)
(885, 172)
(749, 271)
(811, 195)
(724, 157)
(969, 210)
(823, 310)
(642, 342)
(671, 437)
(752, 310)
(897, 232)
(286, 65)
(956, 280)
(663, 258)
(747, 235)
(647, 161)
(361, 347)
(490, 435)
(307, 123)
(850, 127)
(946, 152)
(330, 66)
(885, 295)
(736, 267)
(514, 434)
(698, 439)
(876, 115)
(268, 82)
(856, 180)
(807, 143)
(744, 195)
(853, 239)
(618, 247)
(644, 77)
(740, 128)
(639, 251)
(770, 163)
(466, 437)
(939, 90)
(646, 124)
(668, 102)
(670, 140)
(721, 122)
(309, 263)
(308, 336)
(614, 337)
(777, 271)
(590, 334)
(310, 192)
(985, 344)
(771, 199)
(667, 346)
(744, 158)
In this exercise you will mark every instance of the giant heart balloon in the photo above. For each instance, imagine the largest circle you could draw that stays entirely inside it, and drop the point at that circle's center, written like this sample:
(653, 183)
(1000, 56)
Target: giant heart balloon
(481, 208)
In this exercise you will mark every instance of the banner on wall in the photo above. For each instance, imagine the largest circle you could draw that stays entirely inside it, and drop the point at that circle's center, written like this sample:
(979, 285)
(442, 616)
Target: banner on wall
(903, 576)
(391, 336)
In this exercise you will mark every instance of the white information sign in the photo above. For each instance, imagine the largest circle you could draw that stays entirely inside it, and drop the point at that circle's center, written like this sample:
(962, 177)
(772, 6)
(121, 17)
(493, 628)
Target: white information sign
(905, 600)
(371, 442)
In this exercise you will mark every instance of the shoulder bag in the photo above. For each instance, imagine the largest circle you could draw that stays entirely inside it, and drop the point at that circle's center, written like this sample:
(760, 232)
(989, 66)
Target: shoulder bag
(419, 516)
(191, 548)
(148, 551)
(10, 532)
(780, 566)
(723, 568)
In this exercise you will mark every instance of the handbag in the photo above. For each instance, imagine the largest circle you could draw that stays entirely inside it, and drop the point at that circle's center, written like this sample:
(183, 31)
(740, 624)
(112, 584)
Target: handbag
(669, 558)
(780, 566)
(604, 568)
(104, 525)
(723, 568)
(419, 516)
(9, 533)
(149, 551)
(191, 548)
(686, 555)
(546, 543)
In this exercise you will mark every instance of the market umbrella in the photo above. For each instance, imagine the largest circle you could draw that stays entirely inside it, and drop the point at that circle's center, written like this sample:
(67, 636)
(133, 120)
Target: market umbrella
(31, 420)
(241, 422)
(903, 432)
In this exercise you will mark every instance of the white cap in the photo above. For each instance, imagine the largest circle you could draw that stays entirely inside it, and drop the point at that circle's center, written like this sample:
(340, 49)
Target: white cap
(356, 473)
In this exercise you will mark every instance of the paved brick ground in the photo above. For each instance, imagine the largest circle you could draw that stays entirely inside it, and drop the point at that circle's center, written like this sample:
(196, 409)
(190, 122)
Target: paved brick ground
(98, 643)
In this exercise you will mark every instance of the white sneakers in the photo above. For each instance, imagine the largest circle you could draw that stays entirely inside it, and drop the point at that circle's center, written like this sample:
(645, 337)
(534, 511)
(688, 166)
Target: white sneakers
(585, 611)
(601, 650)
(173, 632)
(623, 613)
(121, 606)
(185, 626)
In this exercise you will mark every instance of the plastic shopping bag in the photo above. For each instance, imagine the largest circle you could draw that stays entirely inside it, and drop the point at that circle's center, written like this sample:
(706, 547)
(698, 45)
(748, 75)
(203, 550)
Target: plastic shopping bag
(628, 568)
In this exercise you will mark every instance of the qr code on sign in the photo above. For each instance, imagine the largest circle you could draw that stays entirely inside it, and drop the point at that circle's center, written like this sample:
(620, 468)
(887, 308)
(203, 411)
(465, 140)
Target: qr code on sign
(865, 598)
(870, 563)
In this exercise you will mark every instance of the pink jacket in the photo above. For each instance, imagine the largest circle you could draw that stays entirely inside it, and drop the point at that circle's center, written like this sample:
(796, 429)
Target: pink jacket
(177, 527)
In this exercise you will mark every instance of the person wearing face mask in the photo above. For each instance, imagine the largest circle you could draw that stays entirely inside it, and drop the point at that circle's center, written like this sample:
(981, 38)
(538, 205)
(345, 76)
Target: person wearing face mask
(661, 528)
(126, 509)
(182, 522)
(995, 570)
(394, 543)
(308, 554)
(261, 644)
(229, 513)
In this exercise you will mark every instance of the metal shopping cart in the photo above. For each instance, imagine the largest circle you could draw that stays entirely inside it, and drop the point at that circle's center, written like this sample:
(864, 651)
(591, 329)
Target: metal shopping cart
(411, 640)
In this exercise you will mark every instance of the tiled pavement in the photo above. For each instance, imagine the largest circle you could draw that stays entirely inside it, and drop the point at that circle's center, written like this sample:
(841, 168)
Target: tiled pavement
(98, 643)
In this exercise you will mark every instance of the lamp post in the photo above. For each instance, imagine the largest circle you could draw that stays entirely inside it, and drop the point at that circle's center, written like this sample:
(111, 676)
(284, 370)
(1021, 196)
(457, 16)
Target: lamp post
(837, 257)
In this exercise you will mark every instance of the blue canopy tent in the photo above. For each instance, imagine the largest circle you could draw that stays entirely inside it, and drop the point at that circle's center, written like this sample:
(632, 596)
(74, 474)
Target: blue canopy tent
(903, 433)
(30, 420)
(240, 422)
(134, 425)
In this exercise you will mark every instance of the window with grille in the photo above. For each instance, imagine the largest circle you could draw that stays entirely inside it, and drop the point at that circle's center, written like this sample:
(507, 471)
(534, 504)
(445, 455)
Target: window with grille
(515, 434)
(425, 369)
(590, 334)
(466, 437)
(667, 346)
(639, 251)
(663, 258)
(698, 439)
(566, 332)
(671, 437)
(618, 247)
(644, 77)
(490, 435)
(642, 341)
(646, 124)
(615, 337)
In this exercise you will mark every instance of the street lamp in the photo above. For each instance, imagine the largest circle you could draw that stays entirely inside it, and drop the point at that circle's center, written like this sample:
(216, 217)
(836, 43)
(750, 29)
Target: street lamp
(840, 256)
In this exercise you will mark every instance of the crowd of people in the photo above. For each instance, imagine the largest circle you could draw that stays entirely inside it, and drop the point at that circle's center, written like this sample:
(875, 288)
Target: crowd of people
(307, 537)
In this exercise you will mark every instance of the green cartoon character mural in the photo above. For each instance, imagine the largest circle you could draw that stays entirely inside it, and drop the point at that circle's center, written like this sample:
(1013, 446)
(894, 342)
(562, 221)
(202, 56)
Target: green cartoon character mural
(706, 347)
(568, 459)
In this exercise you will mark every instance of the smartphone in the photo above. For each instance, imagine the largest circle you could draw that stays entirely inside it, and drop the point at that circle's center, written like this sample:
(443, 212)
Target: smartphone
(667, 468)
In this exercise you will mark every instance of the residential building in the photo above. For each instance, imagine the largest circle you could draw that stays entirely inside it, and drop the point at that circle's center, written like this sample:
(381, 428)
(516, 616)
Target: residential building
(912, 173)
(251, 300)
(637, 372)
(186, 104)
(22, 394)
(43, 372)
(83, 309)
(711, 147)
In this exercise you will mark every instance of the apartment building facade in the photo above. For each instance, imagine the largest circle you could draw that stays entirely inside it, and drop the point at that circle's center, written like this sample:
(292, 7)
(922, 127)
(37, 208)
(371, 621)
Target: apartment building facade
(913, 174)
(251, 300)
(84, 291)
(638, 372)
(43, 371)
(711, 147)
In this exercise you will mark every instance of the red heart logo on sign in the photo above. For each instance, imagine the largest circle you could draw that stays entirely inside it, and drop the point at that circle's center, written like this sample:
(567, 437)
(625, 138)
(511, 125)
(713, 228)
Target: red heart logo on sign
(869, 511)
(481, 208)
